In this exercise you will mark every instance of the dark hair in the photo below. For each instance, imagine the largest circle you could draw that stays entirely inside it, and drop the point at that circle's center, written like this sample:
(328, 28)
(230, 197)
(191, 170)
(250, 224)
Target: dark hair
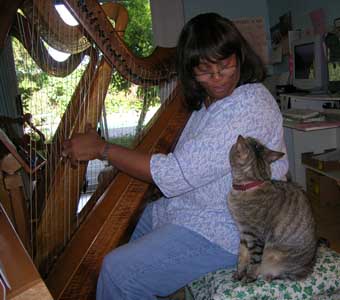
(212, 37)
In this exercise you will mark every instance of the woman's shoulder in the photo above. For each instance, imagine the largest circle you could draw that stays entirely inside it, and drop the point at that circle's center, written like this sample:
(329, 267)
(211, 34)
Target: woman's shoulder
(247, 96)
(252, 89)
(256, 94)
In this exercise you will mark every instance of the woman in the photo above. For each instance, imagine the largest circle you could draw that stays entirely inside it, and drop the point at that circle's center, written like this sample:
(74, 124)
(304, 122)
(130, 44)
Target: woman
(189, 232)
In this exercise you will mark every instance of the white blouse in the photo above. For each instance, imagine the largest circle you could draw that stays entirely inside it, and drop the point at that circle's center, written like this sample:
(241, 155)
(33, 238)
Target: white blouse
(196, 178)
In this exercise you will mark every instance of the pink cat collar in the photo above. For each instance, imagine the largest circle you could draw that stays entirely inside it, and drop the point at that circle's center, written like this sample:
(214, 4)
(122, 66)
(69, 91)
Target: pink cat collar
(247, 186)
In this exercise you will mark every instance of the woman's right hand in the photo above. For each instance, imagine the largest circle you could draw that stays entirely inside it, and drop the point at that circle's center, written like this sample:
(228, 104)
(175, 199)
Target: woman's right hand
(89, 145)
(84, 146)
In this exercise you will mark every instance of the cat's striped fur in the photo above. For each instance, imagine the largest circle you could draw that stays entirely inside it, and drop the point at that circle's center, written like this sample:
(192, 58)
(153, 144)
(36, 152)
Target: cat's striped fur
(275, 221)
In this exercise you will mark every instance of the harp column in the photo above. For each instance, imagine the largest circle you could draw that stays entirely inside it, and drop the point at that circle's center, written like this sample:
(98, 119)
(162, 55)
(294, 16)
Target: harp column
(8, 79)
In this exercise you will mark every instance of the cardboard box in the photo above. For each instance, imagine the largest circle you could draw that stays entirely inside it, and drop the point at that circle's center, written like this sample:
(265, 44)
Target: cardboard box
(324, 194)
(326, 161)
(323, 188)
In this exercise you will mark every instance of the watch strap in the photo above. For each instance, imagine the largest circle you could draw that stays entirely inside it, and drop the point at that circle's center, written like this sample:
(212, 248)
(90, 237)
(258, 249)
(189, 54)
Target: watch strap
(105, 153)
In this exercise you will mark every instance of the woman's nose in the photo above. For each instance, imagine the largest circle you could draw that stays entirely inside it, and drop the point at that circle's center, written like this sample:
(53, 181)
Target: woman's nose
(216, 75)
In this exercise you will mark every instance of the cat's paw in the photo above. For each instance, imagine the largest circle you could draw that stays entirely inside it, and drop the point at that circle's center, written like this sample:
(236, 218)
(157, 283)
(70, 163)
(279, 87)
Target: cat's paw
(237, 276)
(248, 278)
(244, 277)
(268, 277)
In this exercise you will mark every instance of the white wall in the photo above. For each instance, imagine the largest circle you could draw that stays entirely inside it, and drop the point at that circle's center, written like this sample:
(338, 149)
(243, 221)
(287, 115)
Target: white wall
(167, 21)
(169, 16)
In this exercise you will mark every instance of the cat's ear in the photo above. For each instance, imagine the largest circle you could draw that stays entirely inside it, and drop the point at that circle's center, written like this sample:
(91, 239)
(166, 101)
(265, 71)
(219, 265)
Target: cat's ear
(240, 143)
(272, 156)
(240, 139)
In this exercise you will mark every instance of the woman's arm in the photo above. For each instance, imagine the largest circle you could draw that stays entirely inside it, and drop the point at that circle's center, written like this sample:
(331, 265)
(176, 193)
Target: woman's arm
(89, 145)
(132, 162)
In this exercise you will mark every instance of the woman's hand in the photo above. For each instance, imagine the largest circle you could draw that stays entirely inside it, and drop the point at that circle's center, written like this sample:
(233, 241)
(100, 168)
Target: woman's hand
(84, 146)
(89, 145)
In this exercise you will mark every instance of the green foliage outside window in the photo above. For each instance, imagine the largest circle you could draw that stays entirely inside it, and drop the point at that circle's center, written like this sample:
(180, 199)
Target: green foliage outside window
(47, 97)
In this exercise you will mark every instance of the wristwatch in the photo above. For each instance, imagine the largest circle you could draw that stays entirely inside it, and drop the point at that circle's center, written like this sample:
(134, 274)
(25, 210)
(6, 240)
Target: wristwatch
(105, 153)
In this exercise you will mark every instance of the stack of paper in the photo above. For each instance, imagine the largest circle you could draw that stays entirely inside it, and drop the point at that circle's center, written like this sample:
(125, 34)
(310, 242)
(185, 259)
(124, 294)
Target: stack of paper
(300, 114)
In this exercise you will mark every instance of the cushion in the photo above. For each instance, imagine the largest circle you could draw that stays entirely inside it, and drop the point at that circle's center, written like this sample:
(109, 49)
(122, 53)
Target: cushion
(323, 283)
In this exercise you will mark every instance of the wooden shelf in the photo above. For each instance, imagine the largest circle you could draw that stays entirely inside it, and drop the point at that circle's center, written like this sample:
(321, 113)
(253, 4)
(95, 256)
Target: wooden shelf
(313, 97)
(331, 174)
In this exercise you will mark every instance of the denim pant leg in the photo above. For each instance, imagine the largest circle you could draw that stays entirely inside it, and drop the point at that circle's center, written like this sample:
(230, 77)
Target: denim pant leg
(159, 263)
(144, 224)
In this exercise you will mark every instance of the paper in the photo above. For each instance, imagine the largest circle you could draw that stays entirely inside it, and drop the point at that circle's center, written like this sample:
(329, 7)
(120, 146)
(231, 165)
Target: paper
(318, 20)
(253, 30)
(279, 34)
(276, 57)
(292, 36)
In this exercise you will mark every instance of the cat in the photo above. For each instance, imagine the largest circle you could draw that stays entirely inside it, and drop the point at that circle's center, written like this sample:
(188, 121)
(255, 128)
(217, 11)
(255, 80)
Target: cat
(277, 228)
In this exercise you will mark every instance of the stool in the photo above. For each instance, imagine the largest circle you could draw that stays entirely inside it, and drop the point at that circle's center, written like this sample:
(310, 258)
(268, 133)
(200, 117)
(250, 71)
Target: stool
(323, 284)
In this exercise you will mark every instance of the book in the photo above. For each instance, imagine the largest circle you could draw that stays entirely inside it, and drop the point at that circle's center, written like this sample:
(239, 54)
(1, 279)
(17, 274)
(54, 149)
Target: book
(319, 118)
(300, 114)
(307, 126)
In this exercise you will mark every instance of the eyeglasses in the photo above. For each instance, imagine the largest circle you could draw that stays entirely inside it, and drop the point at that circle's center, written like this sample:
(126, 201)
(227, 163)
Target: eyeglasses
(223, 72)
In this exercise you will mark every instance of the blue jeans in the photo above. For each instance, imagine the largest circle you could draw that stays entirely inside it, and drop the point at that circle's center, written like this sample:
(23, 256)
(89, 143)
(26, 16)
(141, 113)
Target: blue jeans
(158, 262)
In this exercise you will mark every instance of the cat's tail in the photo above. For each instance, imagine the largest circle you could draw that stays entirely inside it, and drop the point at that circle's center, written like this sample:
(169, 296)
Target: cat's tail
(323, 242)
(297, 271)
(301, 265)
(289, 177)
(289, 263)
(302, 271)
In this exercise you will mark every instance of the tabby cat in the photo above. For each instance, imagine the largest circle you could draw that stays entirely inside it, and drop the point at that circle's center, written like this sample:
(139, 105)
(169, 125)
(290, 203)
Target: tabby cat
(275, 221)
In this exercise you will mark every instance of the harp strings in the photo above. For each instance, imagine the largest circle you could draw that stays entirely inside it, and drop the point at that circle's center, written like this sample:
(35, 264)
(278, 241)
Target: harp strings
(56, 190)
(51, 150)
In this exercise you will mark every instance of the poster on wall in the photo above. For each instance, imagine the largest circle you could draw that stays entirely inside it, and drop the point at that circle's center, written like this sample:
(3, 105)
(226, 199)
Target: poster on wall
(318, 19)
(253, 30)
(279, 34)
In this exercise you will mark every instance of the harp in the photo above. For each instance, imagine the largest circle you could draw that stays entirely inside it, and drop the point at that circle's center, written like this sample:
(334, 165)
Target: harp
(67, 246)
